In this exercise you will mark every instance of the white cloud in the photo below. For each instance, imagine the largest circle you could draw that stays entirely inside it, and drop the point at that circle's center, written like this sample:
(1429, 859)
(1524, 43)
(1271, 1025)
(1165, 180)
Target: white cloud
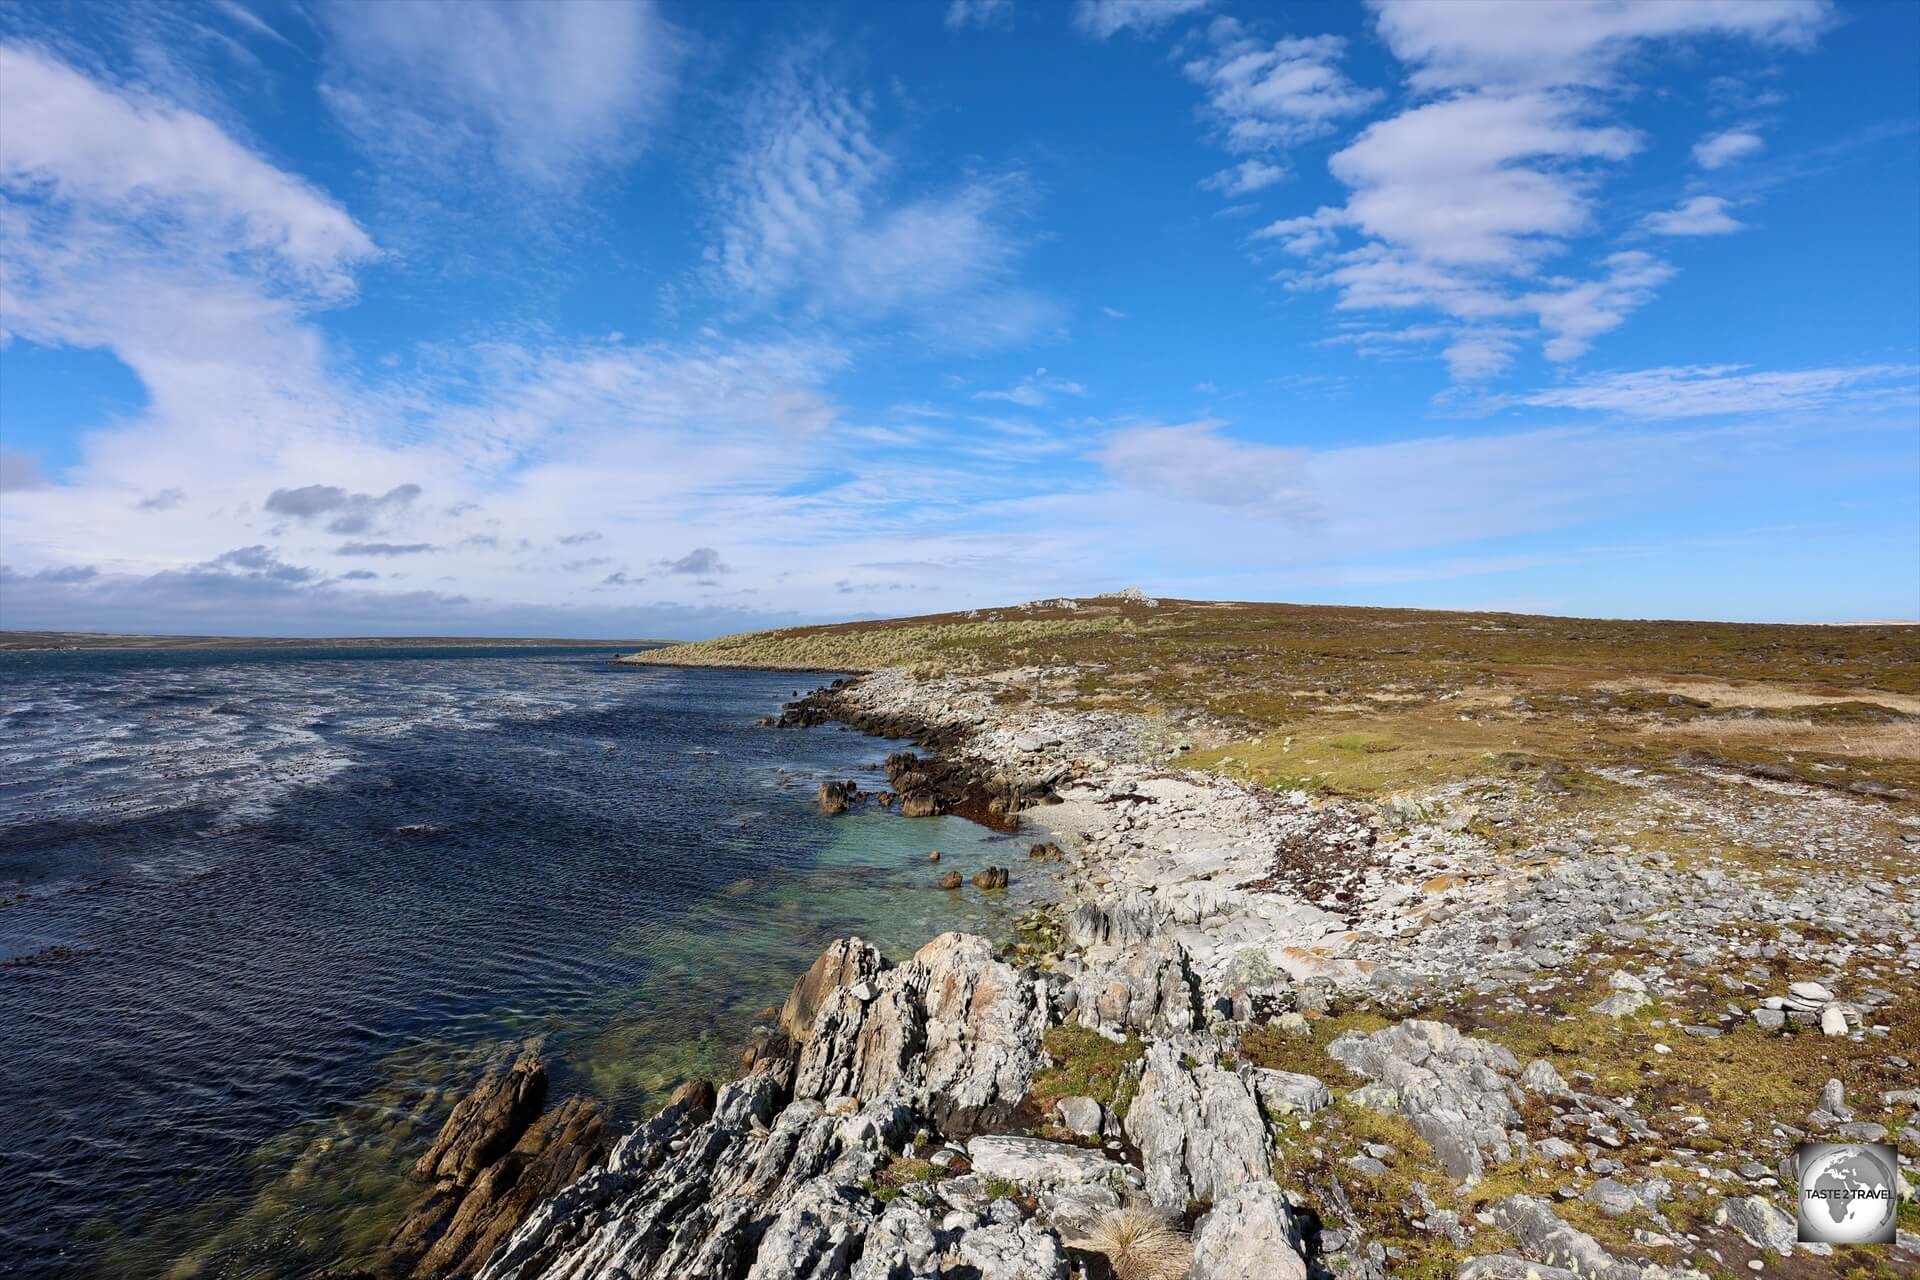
(1718, 150)
(1696, 391)
(1698, 216)
(73, 141)
(1460, 201)
(1575, 312)
(1037, 388)
(806, 215)
(1267, 96)
(547, 91)
(1193, 462)
(1103, 19)
(979, 13)
(1478, 179)
(1528, 44)
(19, 471)
(1245, 178)
(1476, 355)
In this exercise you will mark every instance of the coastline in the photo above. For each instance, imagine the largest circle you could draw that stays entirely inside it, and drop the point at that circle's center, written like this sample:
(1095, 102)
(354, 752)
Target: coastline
(1198, 916)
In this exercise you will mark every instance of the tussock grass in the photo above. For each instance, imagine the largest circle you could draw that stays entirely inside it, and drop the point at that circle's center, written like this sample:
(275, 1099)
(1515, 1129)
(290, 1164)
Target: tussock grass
(1138, 1244)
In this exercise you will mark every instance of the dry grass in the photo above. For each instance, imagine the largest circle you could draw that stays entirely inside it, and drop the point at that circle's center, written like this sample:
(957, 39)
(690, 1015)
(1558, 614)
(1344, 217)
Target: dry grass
(1138, 1244)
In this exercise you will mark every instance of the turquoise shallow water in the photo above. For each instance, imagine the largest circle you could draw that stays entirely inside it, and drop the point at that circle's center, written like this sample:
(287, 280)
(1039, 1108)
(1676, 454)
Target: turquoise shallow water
(262, 912)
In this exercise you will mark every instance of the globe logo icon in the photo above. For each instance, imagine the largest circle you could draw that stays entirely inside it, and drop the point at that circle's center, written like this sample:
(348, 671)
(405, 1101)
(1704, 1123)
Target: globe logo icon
(1849, 1193)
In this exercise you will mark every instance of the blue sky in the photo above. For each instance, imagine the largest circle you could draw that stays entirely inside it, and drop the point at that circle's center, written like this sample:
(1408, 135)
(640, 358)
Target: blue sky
(627, 319)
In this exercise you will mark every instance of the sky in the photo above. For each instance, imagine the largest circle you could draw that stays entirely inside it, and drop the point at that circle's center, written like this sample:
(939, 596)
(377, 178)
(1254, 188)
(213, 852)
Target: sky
(632, 320)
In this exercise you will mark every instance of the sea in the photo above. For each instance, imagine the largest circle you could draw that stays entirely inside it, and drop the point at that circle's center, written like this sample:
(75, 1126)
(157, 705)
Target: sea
(265, 913)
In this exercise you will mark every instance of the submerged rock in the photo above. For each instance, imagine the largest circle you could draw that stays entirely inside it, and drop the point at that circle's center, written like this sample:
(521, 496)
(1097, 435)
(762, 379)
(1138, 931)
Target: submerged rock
(838, 797)
(495, 1159)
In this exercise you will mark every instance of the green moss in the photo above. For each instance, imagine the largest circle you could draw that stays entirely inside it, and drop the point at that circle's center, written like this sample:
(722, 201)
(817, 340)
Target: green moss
(1087, 1064)
(898, 1174)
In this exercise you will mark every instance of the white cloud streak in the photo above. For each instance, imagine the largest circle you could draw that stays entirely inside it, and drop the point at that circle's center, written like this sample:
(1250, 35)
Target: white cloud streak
(1103, 19)
(69, 140)
(1718, 150)
(1698, 216)
(806, 215)
(548, 92)
(1528, 45)
(1725, 390)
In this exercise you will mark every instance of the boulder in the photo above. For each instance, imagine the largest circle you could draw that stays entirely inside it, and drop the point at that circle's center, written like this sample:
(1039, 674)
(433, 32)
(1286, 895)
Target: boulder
(1504, 1266)
(990, 878)
(920, 804)
(951, 880)
(1541, 1234)
(1287, 1093)
(983, 1028)
(1759, 1222)
(487, 1122)
(1038, 1162)
(554, 1151)
(1080, 1115)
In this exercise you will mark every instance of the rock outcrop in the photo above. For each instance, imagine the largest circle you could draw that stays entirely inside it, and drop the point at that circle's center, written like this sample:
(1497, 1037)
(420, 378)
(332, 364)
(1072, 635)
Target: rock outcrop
(1453, 1089)
(1198, 1128)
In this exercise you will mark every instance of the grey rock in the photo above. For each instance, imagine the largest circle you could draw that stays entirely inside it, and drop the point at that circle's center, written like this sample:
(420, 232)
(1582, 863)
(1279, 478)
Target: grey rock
(1249, 1235)
(1450, 1087)
(1008, 1251)
(1622, 1003)
(1149, 988)
(1037, 1161)
(900, 1246)
(1080, 1115)
(1862, 1131)
(1759, 1222)
(1198, 1130)
(1505, 1266)
(1542, 1234)
(1540, 1077)
(1287, 1093)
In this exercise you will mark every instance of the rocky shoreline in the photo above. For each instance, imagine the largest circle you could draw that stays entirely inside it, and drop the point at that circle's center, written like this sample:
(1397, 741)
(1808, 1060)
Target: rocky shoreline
(1218, 1058)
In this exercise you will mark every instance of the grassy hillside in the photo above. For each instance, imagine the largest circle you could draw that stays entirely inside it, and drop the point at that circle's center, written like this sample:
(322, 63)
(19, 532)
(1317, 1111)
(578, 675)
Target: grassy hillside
(1366, 701)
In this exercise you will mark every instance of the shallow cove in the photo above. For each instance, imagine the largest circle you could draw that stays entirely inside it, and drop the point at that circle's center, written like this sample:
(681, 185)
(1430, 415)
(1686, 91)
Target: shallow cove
(264, 911)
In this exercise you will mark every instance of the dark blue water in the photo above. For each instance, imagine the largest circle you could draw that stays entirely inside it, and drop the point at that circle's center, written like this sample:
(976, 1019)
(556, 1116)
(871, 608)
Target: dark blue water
(261, 911)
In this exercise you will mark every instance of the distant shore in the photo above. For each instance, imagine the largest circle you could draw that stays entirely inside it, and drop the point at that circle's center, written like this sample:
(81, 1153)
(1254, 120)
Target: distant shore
(41, 640)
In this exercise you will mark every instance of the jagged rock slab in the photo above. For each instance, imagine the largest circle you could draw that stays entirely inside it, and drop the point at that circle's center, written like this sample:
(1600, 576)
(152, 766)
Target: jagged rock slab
(1198, 1129)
